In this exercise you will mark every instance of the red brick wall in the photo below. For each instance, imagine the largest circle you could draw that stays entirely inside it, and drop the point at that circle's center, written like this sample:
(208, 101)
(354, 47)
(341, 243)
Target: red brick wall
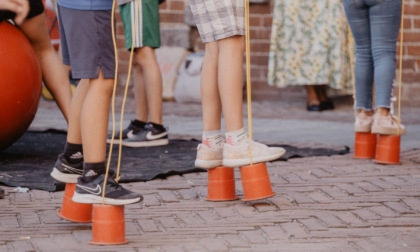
(172, 11)
(411, 53)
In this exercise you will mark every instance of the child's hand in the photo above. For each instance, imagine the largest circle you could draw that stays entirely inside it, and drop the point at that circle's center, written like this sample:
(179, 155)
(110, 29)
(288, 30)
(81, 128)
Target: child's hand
(20, 7)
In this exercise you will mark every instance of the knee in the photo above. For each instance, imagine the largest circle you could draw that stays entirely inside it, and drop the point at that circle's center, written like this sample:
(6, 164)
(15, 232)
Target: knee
(145, 56)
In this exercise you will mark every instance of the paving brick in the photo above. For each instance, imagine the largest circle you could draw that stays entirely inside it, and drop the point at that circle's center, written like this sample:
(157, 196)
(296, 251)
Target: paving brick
(255, 236)
(235, 240)
(214, 244)
(294, 229)
(383, 211)
(413, 203)
(330, 219)
(399, 207)
(168, 196)
(366, 214)
(313, 224)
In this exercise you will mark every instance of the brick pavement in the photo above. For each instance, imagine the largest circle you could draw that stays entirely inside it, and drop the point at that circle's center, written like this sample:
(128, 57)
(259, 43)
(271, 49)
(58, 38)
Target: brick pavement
(322, 204)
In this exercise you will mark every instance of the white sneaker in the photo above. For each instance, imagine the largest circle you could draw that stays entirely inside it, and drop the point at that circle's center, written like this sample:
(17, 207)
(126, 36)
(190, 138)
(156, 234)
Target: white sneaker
(208, 158)
(237, 156)
(387, 125)
(363, 123)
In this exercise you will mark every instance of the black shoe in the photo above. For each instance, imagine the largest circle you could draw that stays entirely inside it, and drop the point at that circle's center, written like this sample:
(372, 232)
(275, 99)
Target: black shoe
(65, 172)
(130, 131)
(327, 105)
(313, 107)
(150, 136)
(90, 192)
(1, 193)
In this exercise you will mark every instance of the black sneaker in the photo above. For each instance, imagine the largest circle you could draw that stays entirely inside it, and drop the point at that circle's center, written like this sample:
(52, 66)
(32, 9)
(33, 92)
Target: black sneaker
(90, 192)
(148, 137)
(65, 172)
(130, 131)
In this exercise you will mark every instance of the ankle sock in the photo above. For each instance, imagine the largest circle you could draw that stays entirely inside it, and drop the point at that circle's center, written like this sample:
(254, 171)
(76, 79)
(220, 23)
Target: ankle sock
(93, 170)
(159, 127)
(73, 153)
(213, 139)
(236, 137)
(138, 124)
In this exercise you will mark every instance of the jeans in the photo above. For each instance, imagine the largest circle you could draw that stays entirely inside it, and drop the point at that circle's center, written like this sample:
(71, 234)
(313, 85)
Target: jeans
(375, 26)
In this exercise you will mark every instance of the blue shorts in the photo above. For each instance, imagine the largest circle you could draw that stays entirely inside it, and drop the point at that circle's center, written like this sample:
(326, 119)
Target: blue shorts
(86, 42)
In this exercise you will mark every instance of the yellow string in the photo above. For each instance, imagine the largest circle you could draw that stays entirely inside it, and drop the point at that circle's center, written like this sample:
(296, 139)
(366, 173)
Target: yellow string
(350, 52)
(248, 77)
(113, 95)
(400, 73)
(126, 86)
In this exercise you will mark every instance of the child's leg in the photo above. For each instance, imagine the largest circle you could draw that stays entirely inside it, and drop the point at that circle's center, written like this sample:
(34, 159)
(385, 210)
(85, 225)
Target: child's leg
(148, 87)
(210, 97)
(94, 118)
(53, 72)
(230, 79)
(210, 152)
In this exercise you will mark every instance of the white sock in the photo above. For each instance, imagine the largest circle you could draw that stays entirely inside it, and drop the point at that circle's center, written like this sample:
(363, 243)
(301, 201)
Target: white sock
(213, 139)
(236, 137)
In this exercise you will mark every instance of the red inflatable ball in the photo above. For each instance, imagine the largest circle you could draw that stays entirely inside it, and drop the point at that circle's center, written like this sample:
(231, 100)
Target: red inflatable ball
(20, 84)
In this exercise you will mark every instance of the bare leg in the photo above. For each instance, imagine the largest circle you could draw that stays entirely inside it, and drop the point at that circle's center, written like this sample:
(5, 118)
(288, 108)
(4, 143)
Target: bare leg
(153, 82)
(53, 72)
(94, 118)
(312, 98)
(230, 79)
(140, 98)
(210, 97)
(74, 134)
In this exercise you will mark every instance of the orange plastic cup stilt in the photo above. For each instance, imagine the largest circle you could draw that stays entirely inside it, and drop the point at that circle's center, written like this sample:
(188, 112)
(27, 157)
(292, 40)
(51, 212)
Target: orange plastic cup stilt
(73, 211)
(108, 225)
(388, 149)
(255, 182)
(221, 184)
(364, 145)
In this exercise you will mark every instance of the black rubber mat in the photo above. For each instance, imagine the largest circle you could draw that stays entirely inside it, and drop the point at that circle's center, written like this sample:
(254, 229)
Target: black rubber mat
(28, 162)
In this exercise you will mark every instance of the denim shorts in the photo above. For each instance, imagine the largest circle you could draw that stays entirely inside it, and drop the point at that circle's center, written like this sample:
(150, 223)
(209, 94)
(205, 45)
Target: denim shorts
(86, 42)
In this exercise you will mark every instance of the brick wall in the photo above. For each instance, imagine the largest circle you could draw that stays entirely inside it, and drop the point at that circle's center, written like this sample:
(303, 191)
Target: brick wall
(174, 12)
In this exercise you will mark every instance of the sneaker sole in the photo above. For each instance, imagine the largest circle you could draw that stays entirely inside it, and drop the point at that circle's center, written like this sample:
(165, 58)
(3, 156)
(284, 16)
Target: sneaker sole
(362, 129)
(63, 177)
(159, 142)
(247, 161)
(207, 164)
(94, 199)
(387, 131)
(116, 141)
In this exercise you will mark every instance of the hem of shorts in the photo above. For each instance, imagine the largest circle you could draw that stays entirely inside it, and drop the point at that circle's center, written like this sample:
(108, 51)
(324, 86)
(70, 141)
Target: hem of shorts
(137, 47)
(224, 35)
(91, 75)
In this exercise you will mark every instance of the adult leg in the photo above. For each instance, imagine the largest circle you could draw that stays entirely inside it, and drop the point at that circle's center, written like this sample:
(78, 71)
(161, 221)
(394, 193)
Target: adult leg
(53, 72)
(385, 23)
(357, 13)
(230, 80)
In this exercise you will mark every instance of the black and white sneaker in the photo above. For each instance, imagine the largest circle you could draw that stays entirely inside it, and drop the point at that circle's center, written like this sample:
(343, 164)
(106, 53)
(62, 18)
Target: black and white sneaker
(65, 172)
(129, 132)
(90, 192)
(148, 137)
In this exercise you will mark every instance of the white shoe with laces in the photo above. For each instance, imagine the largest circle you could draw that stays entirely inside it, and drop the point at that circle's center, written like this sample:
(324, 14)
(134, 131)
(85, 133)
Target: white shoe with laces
(238, 155)
(387, 125)
(363, 123)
